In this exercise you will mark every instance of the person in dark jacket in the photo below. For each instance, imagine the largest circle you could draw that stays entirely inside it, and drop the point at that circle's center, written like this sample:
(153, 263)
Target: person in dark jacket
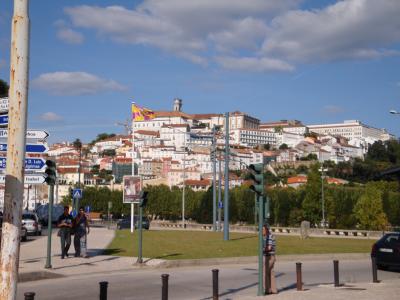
(64, 222)
(269, 257)
(81, 226)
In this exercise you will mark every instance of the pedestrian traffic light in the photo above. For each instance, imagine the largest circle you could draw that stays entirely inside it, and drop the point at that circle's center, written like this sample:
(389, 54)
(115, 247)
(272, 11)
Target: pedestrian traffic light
(143, 198)
(51, 172)
(256, 174)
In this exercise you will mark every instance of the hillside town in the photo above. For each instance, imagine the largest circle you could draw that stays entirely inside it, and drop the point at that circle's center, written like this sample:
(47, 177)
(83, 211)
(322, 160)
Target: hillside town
(175, 148)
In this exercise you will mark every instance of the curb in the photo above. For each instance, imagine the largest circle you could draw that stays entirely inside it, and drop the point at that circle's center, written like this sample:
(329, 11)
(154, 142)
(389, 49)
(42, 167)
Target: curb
(254, 259)
(38, 275)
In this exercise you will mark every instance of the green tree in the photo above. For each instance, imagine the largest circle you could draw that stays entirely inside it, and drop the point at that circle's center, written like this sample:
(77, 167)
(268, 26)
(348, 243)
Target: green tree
(369, 209)
(283, 147)
(312, 201)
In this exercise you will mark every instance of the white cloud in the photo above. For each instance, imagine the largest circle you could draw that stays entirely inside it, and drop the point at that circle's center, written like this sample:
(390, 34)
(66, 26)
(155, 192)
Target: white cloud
(75, 83)
(51, 116)
(253, 64)
(276, 34)
(188, 29)
(348, 29)
(70, 36)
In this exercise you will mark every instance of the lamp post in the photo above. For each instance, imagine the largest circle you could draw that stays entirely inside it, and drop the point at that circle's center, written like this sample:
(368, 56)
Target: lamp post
(322, 170)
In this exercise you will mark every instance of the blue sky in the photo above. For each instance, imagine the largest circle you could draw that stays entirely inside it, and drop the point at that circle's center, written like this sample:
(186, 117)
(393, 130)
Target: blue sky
(316, 61)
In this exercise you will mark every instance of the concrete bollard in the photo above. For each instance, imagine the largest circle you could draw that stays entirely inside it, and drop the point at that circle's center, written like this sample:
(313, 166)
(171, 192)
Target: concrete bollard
(336, 272)
(29, 296)
(164, 290)
(374, 270)
(215, 283)
(103, 290)
(299, 279)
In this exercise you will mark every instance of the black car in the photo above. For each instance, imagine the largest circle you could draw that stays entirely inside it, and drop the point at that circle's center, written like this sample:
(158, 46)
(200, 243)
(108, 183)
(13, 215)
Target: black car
(126, 223)
(387, 251)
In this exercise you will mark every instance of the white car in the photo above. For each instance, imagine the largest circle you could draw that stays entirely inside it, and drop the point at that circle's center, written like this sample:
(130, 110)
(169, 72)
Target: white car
(30, 221)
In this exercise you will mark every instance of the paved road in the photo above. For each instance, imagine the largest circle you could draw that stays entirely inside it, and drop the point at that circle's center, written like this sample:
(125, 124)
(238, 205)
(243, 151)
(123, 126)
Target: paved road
(236, 281)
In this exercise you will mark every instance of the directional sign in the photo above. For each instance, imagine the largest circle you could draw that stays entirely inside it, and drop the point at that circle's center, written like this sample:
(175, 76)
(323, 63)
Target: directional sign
(3, 104)
(29, 179)
(77, 193)
(30, 134)
(36, 164)
(3, 119)
(220, 204)
(30, 148)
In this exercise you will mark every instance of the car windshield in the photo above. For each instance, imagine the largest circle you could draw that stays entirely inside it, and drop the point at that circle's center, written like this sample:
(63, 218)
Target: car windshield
(28, 217)
(392, 239)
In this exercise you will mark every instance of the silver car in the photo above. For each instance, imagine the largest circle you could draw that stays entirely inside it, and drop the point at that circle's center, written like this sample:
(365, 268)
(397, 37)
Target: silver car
(30, 221)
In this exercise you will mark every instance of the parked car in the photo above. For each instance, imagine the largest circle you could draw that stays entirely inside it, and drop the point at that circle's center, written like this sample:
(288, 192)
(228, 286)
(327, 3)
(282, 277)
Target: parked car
(387, 251)
(31, 221)
(24, 231)
(126, 222)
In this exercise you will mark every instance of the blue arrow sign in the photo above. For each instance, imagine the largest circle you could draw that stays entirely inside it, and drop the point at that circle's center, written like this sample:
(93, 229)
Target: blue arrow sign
(4, 120)
(30, 163)
(32, 148)
(220, 204)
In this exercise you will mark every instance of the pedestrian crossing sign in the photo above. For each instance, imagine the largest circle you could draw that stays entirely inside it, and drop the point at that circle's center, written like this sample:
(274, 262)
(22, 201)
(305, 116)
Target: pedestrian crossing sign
(77, 193)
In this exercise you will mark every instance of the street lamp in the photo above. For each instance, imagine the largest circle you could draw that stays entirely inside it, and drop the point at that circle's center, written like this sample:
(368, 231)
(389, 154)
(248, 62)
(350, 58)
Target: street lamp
(322, 170)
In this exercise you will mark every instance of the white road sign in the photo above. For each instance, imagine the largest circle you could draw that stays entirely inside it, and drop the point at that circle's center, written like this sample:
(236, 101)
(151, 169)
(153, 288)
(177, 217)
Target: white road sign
(30, 134)
(3, 104)
(29, 179)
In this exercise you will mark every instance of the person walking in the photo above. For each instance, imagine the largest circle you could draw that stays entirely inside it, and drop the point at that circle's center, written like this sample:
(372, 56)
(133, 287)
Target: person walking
(81, 226)
(269, 259)
(64, 222)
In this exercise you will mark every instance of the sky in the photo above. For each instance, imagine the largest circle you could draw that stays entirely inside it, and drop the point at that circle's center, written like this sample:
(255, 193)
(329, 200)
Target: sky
(318, 61)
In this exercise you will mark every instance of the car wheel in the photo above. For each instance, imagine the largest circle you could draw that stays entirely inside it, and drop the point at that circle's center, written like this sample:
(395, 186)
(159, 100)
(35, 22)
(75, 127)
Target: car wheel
(24, 238)
(39, 233)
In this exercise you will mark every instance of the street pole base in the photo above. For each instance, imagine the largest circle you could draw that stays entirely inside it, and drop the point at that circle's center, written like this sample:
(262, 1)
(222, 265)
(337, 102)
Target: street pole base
(139, 261)
(47, 266)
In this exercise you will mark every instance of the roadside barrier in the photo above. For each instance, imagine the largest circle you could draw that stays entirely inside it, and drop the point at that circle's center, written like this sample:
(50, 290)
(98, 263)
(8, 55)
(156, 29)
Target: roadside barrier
(299, 279)
(275, 230)
(103, 290)
(29, 296)
(215, 283)
(336, 273)
(164, 288)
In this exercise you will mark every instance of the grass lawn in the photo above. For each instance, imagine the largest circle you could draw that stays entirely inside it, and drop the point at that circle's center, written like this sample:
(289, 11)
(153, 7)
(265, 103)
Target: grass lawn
(199, 244)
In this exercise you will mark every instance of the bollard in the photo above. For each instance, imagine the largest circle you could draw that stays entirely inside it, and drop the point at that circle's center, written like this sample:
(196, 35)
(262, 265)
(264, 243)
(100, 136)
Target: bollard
(215, 283)
(29, 296)
(103, 290)
(336, 272)
(164, 291)
(374, 270)
(299, 281)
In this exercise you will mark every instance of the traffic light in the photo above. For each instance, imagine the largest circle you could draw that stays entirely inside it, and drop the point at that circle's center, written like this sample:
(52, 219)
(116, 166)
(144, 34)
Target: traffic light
(143, 198)
(51, 172)
(256, 174)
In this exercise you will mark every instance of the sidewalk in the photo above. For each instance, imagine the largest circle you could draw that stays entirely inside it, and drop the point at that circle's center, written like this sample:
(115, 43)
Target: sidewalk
(33, 258)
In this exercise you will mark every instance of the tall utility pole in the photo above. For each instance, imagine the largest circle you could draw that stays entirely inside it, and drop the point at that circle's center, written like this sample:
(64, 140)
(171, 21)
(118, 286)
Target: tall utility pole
(226, 192)
(219, 193)
(14, 182)
(184, 184)
(214, 162)
(322, 194)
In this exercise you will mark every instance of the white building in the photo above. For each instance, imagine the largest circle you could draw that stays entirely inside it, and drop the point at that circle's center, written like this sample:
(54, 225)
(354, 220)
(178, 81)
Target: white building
(253, 137)
(351, 129)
